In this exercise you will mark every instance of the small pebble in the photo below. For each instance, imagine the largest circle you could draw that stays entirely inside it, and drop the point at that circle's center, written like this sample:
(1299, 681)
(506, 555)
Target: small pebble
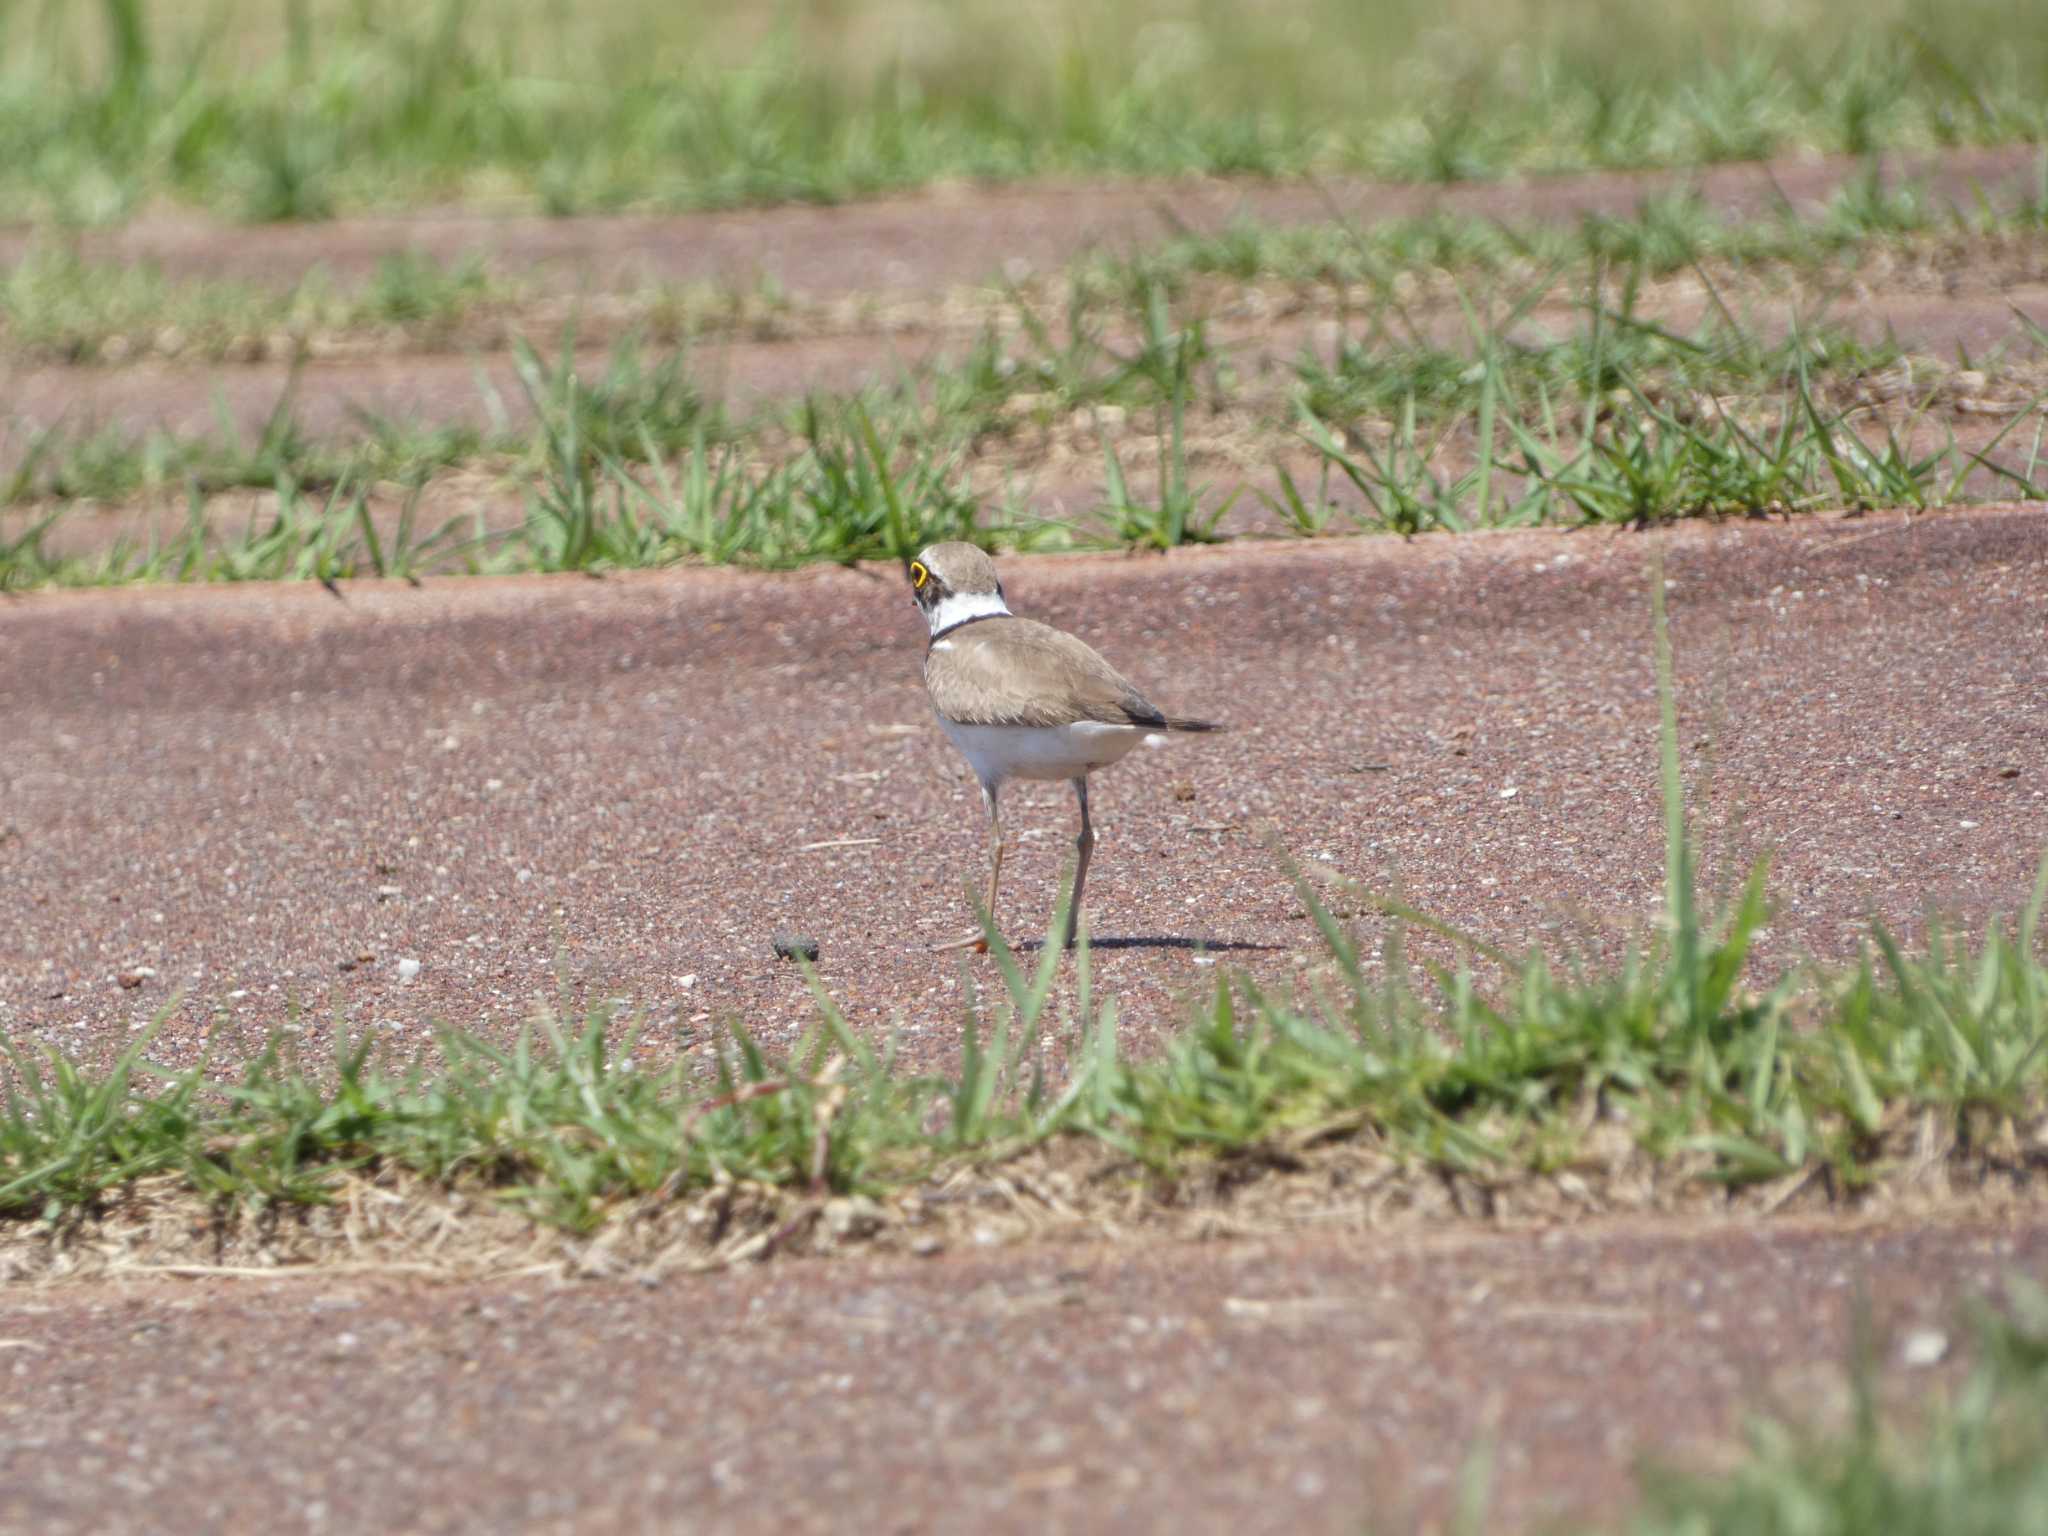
(1923, 1347)
(790, 945)
(408, 968)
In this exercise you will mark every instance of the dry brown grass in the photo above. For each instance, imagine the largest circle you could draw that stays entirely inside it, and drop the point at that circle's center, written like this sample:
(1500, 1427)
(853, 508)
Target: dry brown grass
(1071, 1190)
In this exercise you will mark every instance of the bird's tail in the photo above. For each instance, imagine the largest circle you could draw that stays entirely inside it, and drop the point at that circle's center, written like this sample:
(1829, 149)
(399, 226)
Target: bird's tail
(1190, 726)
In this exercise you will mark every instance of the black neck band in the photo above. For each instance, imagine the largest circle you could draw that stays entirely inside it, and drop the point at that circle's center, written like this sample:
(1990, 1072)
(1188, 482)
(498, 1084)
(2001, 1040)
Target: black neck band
(963, 623)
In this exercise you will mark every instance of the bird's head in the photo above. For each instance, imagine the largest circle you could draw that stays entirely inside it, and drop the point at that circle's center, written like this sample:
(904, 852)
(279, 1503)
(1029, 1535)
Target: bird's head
(953, 583)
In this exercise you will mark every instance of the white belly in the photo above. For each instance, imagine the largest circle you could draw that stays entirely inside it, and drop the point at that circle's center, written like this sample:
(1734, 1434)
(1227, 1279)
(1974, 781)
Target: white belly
(999, 752)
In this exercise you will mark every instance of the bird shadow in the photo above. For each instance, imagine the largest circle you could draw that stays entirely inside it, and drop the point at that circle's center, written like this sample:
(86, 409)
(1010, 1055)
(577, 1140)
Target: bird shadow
(1163, 941)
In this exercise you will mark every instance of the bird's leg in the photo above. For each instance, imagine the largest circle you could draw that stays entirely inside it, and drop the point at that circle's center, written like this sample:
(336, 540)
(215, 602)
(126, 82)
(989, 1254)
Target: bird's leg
(995, 863)
(1084, 846)
(979, 940)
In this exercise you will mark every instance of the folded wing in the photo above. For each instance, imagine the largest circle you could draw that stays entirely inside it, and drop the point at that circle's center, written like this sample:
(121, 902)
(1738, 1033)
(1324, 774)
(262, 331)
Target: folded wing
(1019, 672)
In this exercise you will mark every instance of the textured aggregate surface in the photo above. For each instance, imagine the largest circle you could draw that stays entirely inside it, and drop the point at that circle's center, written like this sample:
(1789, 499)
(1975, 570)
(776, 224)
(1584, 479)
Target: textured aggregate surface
(962, 234)
(566, 788)
(1301, 1385)
(259, 807)
(879, 256)
(624, 788)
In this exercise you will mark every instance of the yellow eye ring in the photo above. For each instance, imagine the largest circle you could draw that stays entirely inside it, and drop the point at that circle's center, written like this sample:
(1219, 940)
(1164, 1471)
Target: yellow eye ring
(918, 575)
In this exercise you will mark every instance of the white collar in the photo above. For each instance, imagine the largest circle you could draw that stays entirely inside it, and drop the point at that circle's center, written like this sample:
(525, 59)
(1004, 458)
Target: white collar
(952, 612)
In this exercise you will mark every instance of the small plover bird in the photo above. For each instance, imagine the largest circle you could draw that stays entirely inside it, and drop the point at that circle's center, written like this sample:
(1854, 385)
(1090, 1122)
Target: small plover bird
(1022, 700)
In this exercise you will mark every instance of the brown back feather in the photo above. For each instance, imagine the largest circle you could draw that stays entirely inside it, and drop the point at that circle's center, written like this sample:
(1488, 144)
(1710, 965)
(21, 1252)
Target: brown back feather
(1001, 671)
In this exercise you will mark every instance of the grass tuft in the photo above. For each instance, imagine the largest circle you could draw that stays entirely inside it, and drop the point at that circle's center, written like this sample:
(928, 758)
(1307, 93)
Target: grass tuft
(1481, 377)
(1971, 1461)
